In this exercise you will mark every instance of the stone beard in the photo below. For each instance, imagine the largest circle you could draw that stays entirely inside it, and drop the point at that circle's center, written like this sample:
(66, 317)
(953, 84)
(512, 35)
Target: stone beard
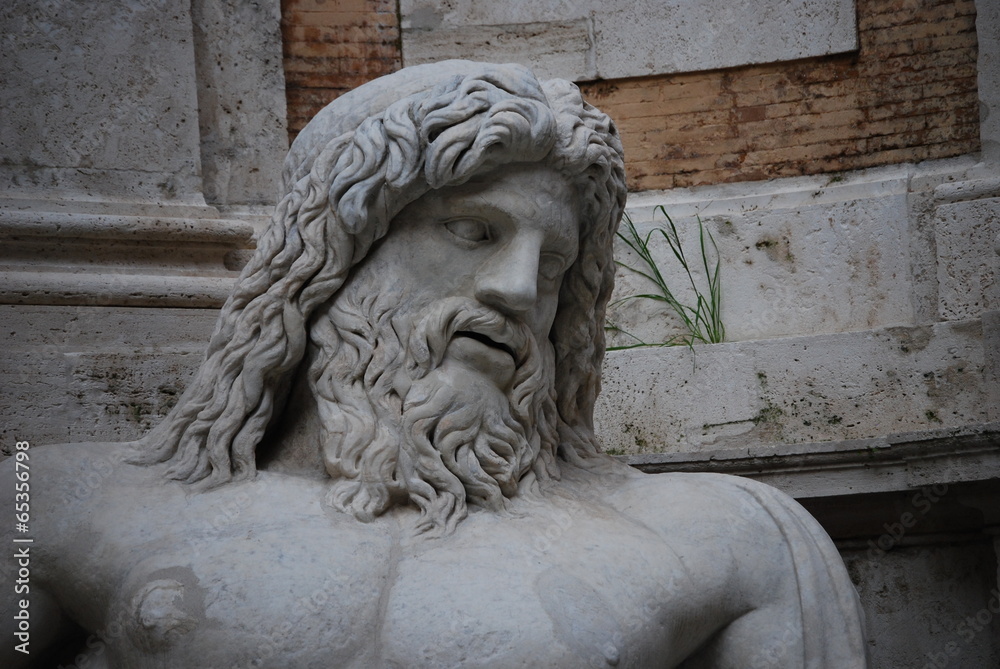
(401, 422)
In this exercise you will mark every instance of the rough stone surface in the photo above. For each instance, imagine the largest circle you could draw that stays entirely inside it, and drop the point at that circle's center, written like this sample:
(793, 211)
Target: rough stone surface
(112, 112)
(816, 255)
(796, 389)
(991, 346)
(94, 373)
(241, 99)
(987, 20)
(412, 347)
(589, 40)
(930, 605)
(93, 107)
(967, 239)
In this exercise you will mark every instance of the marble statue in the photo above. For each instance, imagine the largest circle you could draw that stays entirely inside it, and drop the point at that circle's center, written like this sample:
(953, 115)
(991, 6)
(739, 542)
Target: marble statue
(387, 457)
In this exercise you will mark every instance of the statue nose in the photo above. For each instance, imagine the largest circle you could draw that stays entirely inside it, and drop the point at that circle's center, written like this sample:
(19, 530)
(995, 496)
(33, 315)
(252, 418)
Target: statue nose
(509, 281)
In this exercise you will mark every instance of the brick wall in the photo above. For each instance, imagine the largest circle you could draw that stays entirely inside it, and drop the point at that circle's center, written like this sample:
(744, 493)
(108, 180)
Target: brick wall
(908, 94)
(332, 46)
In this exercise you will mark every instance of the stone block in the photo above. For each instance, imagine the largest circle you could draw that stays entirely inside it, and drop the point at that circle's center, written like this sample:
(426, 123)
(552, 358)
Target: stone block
(119, 113)
(94, 373)
(241, 99)
(968, 256)
(556, 47)
(628, 38)
(987, 20)
(641, 37)
(796, 389)
(799, 256)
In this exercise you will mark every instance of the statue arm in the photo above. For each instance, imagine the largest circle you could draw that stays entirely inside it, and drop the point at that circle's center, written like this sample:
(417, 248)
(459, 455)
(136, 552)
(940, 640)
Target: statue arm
(809, 615)
(826, 604)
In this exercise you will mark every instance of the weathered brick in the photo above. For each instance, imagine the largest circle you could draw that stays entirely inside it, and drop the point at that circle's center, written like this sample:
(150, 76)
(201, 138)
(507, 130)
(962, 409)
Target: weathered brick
(805, 152)
(962, 103)
(603, 94)
(321, 51)
(908, 94)
(677, 135)
(711, 147)
(322, 6)
(717, 116)
(945, 88)
(763, 97)
(759, 82)
(360, 33)
(813, 106)
(945, 42)
(338, 18)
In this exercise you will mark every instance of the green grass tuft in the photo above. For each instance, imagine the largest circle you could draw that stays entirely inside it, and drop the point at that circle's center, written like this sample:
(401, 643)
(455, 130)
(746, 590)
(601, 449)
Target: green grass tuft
(703, 321)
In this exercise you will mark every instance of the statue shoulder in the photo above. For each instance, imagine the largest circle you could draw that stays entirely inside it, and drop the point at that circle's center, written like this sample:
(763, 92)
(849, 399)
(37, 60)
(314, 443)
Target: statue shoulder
(757, 525)
(704, 497)
(771, 555)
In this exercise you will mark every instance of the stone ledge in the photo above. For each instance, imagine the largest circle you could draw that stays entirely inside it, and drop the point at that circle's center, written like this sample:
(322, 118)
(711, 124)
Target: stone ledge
(819, 388)
(896, 462)
(59, 226)
(130, 290)
(962, 191)
(116, 254)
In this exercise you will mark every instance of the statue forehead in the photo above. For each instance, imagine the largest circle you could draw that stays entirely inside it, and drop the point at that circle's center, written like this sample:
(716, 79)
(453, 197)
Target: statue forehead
(371, 99)
(514, 190)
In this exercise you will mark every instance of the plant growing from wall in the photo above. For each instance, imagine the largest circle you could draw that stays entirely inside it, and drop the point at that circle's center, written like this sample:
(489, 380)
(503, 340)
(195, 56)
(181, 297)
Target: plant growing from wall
(702, 321)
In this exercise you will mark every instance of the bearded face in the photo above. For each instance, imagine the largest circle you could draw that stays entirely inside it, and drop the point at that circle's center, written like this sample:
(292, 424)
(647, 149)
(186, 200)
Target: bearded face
(436, 388)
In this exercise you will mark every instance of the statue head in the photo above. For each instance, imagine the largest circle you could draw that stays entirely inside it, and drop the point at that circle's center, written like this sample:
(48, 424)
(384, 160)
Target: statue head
(437, 273)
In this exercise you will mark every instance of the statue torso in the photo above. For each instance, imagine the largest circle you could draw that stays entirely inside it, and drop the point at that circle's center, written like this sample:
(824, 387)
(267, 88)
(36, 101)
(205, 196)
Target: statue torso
(262, 574)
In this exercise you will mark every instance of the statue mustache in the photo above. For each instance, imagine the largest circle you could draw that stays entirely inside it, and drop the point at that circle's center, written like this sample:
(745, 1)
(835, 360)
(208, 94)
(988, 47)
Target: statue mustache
(448, 317)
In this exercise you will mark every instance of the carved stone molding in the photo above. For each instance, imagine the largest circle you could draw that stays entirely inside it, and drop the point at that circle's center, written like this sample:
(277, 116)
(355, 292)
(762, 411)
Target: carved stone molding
(160, 256)
(895, 462)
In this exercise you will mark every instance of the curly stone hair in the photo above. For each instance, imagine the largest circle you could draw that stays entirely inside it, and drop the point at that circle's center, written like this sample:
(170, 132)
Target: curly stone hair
(350, 171)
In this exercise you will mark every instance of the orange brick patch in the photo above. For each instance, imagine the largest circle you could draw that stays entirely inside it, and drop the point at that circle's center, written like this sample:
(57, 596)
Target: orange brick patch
(908, 94)
(332, 46)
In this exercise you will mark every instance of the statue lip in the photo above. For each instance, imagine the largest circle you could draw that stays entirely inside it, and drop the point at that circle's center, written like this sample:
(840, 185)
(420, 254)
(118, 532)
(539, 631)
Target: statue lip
(488, 341)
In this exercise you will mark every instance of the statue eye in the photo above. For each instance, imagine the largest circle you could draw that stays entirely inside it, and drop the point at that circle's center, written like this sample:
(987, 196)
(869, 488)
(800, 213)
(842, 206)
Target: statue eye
(469, 229)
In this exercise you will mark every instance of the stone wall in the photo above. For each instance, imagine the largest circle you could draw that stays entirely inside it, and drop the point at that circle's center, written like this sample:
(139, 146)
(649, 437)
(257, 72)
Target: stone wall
(331, 47)
(592, 39)
(908, 92)
(142, 146)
